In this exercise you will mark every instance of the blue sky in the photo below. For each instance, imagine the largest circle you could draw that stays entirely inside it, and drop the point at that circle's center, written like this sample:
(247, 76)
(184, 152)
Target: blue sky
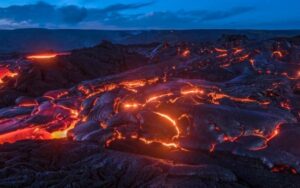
(150, 14)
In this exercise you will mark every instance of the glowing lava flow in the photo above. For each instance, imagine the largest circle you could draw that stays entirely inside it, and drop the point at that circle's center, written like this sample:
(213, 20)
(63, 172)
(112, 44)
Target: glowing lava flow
(216, 97)
(237, 50)
(173, 122)
(22, 134)
(134, 97)
(219, 50)
(277, 53)
(46, 55)
(117, 135)
(186, 53)
(222, 52)
(6, 73)
(63, 133)
(154, 98)
(191, 91)
(185, 92)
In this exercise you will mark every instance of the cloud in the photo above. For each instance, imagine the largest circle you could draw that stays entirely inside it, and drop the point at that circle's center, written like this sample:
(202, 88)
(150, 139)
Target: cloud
(122, 7)
(175, 19)
(116, 16)
(72, 14)
(226, 14)
(10, 24)
(40, 12)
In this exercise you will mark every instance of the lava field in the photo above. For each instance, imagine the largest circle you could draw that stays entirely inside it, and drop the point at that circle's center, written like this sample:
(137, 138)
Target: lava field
(213, 114)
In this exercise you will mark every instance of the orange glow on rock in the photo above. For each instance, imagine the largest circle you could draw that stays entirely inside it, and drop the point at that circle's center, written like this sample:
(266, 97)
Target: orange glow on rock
(167, 117)
(222, 55)
(186, 53)
(154, 98)
(219, 50)
(244, 57)
(278, 54)
(131, 105)
(237, 50)
(216, 97)
(24, 134)
(63, 133)
(46, 55)
(6, 73)
(174, 145)
(191, 91)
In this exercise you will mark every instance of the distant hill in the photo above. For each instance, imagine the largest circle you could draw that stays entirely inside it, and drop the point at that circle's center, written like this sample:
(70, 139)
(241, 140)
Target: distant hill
(37, 40)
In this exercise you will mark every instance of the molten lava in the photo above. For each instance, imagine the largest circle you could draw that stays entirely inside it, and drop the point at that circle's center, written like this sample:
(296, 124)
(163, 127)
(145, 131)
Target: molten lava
(278, 54)
(186, 53)
(46, 55)
(161, 107)
(27, 133)
(6, 73)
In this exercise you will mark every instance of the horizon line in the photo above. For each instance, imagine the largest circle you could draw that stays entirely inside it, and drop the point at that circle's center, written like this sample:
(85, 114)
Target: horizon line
(153, 29)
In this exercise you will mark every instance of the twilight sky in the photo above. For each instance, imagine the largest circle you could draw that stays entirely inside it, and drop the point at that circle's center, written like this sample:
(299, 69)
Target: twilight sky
(150, 14)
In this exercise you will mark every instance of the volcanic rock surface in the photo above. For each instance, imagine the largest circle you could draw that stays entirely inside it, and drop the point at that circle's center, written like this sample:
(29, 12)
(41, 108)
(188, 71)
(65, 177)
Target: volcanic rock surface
(223, 114)
(37, 76)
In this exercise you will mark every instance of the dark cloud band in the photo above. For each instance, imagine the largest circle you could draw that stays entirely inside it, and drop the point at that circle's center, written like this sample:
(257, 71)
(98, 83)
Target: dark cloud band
(45, 15)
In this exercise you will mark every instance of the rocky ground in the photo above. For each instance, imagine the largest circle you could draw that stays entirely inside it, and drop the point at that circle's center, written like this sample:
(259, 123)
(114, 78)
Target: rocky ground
(220, 114)
(37, 77)
(61, 163)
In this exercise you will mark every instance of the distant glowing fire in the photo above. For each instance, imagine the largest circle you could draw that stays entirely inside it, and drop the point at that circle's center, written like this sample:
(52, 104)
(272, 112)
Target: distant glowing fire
(46, 55)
